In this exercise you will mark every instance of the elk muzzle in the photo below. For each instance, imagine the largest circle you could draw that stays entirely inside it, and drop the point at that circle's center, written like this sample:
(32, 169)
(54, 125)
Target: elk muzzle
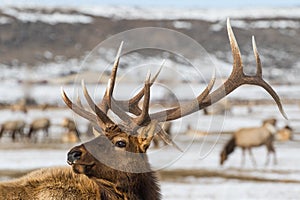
(73, 156)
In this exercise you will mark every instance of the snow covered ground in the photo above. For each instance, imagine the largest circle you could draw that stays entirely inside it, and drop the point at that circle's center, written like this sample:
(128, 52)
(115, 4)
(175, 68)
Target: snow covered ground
(205, 179)
(130, 12)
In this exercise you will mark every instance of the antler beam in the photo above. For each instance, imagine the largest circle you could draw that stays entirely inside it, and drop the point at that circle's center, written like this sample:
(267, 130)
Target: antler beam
(236, 79)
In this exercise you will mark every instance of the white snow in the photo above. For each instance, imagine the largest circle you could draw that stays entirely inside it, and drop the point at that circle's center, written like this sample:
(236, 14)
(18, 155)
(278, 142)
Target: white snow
(182, 25)
(5, 20)
(53, 18)
(121, 12)
(129, 12)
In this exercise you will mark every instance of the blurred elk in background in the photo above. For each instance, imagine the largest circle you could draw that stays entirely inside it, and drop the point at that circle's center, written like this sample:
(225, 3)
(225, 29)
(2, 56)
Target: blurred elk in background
(19, 106)
(13, 128)
(40, 124)
(247, 138)
(284, 134)
(219, 108)
(72, 135)
(193, 132)
(167, 128)
(114, 165)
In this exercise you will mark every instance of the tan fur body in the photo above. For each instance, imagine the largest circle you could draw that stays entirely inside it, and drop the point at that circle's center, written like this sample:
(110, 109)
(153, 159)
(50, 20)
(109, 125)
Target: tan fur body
(51, 184)
(19, 106)
(70, 137)
(39, 124)
(284, 134)
(12, 127)
(246, 138)
(253, 137)
(68, 124)
(72, 134)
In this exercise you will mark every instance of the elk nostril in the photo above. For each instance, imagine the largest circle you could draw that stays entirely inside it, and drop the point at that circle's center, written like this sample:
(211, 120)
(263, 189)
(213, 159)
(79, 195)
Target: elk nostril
(73, 156)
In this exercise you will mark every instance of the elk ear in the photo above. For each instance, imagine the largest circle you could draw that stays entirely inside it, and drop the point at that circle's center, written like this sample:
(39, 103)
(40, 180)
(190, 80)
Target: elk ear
(146, 134)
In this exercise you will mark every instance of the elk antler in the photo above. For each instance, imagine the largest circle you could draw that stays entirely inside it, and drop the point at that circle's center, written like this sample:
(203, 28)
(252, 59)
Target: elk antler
(142, 116)
(132, 104)
(96, 121)
(236, 79)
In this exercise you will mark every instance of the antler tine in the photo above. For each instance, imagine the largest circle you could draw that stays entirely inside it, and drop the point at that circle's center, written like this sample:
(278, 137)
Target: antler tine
(80, 111)
(257, 58)
(187, 108)
(208, 88)
(264, 84)
(132, 104)
(78, 101)
(143, 118)
(157, 73)
(237, 58)
(274, 95)
(236, 79)
(166, 138)
(94, 107)
(106, 101)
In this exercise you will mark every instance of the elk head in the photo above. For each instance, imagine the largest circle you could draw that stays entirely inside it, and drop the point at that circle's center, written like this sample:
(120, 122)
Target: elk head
(122, 147)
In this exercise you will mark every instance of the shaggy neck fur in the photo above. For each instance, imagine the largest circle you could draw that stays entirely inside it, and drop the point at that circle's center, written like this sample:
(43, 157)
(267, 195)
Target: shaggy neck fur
(132, 186)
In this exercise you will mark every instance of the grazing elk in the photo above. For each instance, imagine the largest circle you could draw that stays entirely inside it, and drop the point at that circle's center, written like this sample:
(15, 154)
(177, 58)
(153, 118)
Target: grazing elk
(116, 162)
(13, 127)
(167, 128)
(195, 132)
(219, 108)
(40, 124)
(247, 138)
(72, 134)
(284, 134)
(19, 106)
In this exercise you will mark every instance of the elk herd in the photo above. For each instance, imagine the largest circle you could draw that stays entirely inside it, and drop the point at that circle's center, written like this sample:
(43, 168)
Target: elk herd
(114, 165)
(20, 131)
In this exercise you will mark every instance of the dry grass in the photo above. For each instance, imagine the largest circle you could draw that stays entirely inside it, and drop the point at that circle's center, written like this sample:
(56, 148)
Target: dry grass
(179, 174)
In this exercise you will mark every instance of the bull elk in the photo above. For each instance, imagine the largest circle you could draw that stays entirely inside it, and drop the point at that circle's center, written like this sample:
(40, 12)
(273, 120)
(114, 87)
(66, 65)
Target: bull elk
(40, 124)
(114, 165)
(13, 128)
(247, 138)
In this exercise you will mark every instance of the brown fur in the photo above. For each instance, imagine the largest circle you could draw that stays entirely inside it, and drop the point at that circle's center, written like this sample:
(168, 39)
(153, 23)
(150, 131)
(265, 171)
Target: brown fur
(51, 184)
(103, 171)
(125, 169)
(116, 160)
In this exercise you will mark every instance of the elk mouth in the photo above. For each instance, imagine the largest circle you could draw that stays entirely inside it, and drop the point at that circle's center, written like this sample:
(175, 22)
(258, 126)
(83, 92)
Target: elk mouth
(79, 166)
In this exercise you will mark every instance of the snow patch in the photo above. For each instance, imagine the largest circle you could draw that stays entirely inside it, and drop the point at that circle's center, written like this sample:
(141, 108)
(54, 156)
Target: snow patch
(54, 18)
(182, 25)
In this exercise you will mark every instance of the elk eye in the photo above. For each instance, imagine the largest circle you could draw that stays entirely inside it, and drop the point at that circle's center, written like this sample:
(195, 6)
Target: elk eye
(120, 144)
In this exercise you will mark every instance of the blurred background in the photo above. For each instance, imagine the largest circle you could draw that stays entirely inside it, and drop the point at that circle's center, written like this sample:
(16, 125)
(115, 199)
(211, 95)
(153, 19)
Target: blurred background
(46, 45)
